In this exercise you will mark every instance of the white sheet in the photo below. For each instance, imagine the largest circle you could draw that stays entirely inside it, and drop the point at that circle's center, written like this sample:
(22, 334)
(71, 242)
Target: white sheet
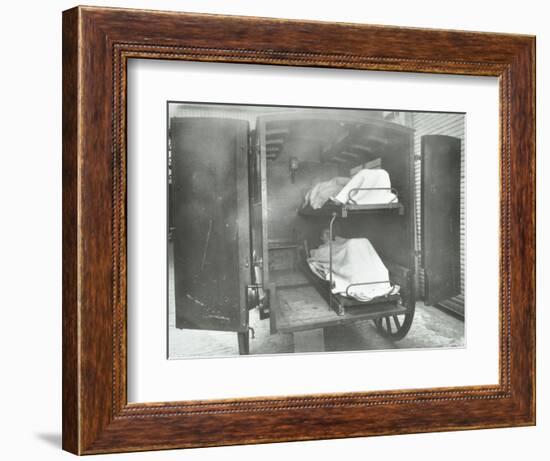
(318, 195)
(353, 261)
(340, 190)
(372, 179)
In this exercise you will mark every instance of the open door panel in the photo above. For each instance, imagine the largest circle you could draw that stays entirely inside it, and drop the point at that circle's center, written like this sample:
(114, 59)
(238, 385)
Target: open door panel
(441, 216)
(211, 229)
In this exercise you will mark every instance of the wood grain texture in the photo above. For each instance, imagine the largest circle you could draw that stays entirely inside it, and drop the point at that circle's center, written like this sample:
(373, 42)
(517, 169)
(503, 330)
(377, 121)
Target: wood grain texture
(97, 42)
(70, 384)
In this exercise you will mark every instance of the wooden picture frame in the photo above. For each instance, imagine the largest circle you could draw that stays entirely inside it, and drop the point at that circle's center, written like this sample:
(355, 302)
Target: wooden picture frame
(97, 43)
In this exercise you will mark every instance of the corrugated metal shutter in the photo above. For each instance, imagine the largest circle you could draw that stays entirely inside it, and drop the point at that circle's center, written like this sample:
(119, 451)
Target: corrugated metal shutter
(450, 125)
(218, 111)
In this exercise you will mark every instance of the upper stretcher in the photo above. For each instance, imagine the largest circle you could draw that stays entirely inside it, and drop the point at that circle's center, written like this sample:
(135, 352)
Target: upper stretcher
(367, 190)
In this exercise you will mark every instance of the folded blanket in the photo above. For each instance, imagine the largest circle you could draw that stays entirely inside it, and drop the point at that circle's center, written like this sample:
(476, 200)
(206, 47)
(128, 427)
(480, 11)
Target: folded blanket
(353, 261)
(339, 189)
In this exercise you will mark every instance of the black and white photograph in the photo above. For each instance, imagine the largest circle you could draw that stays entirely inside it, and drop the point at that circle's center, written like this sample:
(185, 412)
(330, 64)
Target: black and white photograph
(313, 230)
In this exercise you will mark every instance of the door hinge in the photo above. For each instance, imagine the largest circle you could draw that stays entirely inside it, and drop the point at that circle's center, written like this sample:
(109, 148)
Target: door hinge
(257, 296)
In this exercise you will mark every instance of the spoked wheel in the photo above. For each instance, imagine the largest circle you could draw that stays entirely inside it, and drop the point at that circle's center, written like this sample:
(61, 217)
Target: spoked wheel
(396, 326)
